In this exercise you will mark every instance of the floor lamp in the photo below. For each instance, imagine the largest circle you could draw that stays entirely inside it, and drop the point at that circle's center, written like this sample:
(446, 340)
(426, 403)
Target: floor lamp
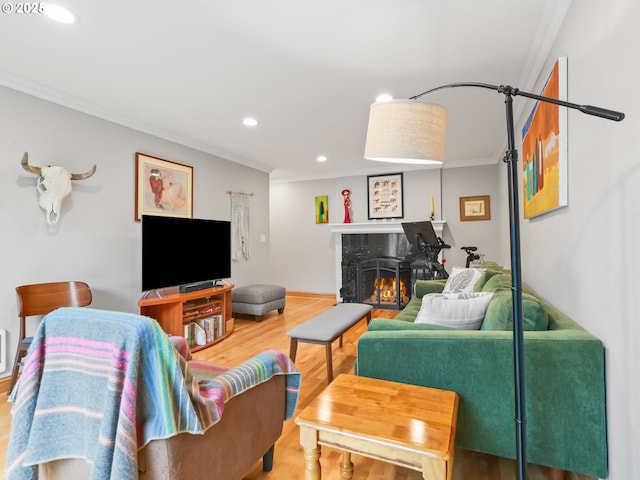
(407, 131)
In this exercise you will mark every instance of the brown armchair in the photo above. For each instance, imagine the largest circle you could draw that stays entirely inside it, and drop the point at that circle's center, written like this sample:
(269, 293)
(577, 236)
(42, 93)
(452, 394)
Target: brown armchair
(250, 426)
(189, 422)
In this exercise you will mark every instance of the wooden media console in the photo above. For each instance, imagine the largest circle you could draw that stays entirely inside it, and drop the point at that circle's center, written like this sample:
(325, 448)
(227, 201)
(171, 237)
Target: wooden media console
(179, 313)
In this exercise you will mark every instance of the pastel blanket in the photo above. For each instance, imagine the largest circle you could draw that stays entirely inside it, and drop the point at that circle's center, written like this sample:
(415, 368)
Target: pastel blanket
(100, 385)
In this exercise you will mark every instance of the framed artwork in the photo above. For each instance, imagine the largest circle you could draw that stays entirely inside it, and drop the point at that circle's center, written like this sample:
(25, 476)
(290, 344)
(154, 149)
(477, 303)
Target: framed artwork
(385, 196)
(544, 148)
(322, 209)
(163, 188)
(475, 208)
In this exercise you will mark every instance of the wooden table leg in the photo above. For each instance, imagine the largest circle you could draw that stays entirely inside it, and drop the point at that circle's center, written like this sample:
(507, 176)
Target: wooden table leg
(436, 468)
(309, 441)
(329, 362)
(293, 349)
(346, 467)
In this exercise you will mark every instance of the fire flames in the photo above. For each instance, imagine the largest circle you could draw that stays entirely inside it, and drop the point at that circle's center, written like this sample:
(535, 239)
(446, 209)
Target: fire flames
(388, 291)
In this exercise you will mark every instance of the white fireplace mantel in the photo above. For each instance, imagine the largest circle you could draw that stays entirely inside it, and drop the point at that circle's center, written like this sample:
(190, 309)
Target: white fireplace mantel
(339, 229)
(378, 227)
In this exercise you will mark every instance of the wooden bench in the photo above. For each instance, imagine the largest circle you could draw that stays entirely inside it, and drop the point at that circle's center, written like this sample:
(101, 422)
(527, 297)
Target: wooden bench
(327, 327)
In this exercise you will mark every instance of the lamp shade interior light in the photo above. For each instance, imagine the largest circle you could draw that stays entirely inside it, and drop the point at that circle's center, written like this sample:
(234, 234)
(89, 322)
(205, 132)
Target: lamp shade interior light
(60, 14)
(406, 131)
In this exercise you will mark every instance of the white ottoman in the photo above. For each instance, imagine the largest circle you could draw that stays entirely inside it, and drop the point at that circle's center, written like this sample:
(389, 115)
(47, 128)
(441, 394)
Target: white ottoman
(257, 300)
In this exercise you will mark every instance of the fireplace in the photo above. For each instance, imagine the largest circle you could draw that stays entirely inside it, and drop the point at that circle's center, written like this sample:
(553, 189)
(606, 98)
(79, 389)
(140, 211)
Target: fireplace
(383, 282)
(378, 269)
(376, 264)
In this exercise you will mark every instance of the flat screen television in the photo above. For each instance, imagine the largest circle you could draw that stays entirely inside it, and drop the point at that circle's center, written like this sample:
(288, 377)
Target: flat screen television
(184, 251)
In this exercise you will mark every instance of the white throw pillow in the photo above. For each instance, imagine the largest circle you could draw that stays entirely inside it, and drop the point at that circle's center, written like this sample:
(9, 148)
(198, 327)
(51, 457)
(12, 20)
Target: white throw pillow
(463, 279)
(464, 311)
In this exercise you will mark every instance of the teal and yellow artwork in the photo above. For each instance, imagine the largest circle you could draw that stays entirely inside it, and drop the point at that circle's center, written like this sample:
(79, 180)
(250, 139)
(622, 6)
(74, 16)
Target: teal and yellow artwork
(322, 209)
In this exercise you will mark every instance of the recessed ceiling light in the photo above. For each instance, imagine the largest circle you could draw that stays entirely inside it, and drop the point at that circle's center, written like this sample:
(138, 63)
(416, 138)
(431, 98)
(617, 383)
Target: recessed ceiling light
(384, 97)
(250, 122)
(60, 14)
(321, 158)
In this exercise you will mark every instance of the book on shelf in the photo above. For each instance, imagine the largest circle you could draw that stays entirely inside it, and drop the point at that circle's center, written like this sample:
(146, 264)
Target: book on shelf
(210, 309)
(188, 334)
(203, 305)
(212, 327)
(200, 334)
(219, 327)
(207, 327)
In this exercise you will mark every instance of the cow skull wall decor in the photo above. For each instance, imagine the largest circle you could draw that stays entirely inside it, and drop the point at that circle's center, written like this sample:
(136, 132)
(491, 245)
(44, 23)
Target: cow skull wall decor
(54, 186)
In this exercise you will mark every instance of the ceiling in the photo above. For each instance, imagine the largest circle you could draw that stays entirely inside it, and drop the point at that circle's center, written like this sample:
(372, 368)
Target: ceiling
(307, 71)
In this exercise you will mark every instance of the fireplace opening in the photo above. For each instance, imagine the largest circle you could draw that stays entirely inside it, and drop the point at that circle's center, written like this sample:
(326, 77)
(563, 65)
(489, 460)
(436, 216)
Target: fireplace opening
(383, 282)
(381, 255)
(385, 290)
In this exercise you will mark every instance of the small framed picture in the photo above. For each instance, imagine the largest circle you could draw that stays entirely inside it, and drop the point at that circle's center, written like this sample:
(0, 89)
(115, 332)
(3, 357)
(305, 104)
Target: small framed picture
(163, 188)
(322, 209)
(475, 208)
(385, 196)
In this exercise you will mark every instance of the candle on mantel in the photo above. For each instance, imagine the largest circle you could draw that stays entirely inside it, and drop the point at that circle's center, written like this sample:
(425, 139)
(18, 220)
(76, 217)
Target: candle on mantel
(433, 210)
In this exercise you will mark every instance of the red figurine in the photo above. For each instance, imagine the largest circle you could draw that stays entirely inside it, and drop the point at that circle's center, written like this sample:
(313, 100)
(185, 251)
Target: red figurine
(347, 204)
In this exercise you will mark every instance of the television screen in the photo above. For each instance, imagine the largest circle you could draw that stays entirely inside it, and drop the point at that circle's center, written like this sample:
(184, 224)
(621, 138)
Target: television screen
(178, 251)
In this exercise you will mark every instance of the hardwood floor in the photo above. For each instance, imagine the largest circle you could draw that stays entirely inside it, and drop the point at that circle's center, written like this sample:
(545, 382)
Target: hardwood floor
(250, 337)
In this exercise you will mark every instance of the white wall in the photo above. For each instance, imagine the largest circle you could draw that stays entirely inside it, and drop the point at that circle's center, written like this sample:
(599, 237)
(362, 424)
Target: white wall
(583, 257)
(301, 250)
(302, 253)
(484, 234)
(97, 239)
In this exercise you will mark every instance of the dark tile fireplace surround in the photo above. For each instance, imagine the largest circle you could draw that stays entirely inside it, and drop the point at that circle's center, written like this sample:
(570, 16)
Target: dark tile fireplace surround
(380, 269)
(371, 256)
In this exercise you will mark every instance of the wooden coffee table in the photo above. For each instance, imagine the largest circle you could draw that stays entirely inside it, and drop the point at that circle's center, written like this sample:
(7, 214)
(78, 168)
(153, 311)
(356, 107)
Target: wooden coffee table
(410, 426)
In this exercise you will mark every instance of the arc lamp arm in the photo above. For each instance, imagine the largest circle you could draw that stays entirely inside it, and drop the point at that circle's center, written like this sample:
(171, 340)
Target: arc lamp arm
(511, 91)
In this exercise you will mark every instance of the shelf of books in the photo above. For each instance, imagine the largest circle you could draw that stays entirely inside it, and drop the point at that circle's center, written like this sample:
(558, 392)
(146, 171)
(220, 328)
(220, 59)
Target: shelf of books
(203, 322)
(203, 318)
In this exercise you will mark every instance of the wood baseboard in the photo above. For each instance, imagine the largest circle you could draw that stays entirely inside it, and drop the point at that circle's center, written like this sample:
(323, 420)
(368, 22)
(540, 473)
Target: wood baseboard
(328, 296)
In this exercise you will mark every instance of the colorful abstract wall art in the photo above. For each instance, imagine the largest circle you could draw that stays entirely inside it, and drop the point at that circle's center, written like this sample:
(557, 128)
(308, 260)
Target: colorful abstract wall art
(544, 148)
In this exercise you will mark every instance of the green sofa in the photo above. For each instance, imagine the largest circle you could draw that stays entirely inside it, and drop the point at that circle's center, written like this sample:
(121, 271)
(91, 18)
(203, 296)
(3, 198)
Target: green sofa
(564, 378)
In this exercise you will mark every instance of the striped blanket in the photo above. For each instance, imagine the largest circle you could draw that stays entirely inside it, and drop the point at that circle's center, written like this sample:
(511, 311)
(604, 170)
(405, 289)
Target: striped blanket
(100, 385)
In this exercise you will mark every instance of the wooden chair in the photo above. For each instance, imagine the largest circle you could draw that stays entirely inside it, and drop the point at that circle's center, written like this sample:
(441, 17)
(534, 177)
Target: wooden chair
(40, 299)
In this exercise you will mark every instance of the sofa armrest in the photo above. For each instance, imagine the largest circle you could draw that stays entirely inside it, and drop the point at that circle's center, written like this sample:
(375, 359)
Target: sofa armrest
(564, 387)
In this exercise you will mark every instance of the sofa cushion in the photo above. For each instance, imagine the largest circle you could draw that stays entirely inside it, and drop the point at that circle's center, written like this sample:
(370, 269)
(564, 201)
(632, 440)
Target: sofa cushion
(464, 311)
(493, 266)
(499, 315)
(463, 279)
(386, 324)
(486, 276)
(498, 283)
(409, 313)
(423, 287)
